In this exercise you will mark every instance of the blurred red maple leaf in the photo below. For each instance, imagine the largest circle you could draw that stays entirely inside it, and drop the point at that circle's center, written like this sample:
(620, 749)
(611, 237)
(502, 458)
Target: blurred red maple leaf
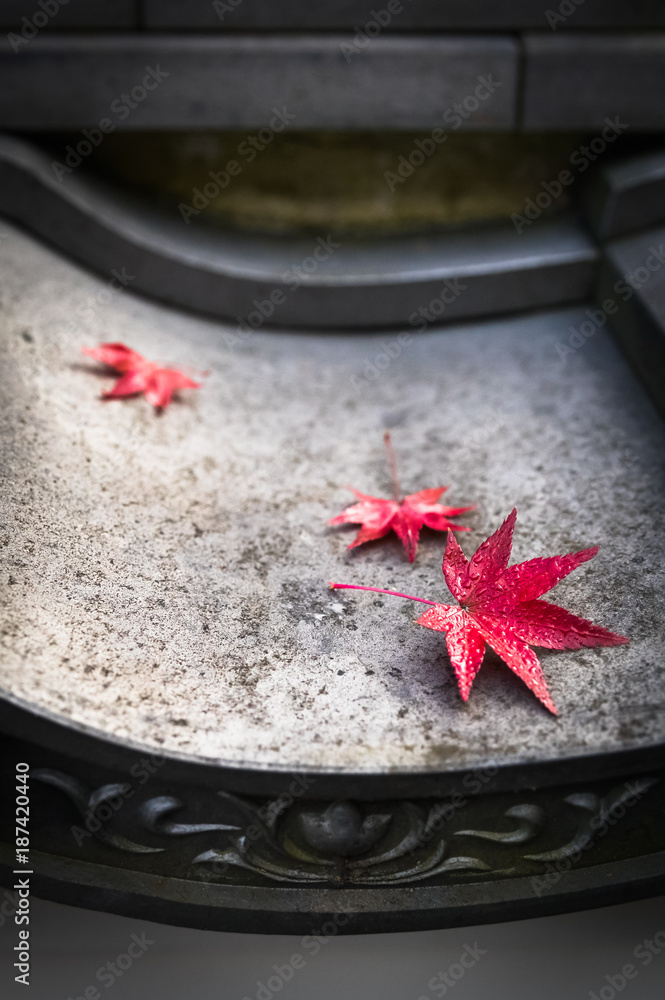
(137, 375)
(499, 606)
(403, 515)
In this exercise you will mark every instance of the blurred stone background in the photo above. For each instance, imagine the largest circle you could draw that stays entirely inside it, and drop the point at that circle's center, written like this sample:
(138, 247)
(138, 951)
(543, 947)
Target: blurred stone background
(335, 181)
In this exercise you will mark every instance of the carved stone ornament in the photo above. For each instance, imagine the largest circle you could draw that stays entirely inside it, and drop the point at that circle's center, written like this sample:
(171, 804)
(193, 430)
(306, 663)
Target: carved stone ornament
(283, 840)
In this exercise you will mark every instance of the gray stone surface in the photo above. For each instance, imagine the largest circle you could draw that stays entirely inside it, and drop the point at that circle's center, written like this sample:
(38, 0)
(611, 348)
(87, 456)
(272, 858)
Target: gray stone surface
(164, 578)
(409, 82)
(632, 274)
(68, 14)
(419, 15)
(351, 285)
(576, 80)
(626, 196)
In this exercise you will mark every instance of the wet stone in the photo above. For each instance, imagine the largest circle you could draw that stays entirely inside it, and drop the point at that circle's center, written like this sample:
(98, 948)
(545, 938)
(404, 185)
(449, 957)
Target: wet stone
(169, 574)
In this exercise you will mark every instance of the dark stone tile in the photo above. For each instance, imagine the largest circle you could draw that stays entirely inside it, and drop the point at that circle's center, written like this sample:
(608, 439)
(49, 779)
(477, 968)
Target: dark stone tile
(578, 80)
(632, 274)
(627, 196)
(222, 82)
(55, 15)
(230, 15)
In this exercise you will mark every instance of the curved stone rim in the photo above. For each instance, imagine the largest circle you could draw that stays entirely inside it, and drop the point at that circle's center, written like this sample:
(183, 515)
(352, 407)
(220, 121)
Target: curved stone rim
(62, 736)
(207, 906)
(227, 862)
(361, 285)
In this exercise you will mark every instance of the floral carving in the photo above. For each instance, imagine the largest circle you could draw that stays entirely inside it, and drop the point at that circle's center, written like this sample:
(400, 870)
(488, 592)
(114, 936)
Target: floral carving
(342, 842)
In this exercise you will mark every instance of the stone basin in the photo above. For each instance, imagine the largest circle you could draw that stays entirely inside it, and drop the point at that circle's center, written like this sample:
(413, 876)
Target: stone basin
(164, 577)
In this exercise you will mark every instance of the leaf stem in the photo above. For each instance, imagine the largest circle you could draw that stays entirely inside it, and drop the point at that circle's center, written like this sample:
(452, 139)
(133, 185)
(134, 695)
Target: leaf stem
(376, 590)
(393, 467)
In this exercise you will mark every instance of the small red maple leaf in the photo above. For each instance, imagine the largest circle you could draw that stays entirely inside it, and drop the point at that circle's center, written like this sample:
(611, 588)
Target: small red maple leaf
(139, 375)
(499, 606)
(405, 516)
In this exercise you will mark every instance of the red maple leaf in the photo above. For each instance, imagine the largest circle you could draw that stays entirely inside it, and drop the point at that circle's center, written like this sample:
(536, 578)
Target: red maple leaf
(405, 516)
(499, 606)
(138, 375)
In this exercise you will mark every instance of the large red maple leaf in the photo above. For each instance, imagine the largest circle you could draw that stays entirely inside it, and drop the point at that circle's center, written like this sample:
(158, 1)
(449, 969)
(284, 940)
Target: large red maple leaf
(139, 375)
(499, 606)
(403, 515)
